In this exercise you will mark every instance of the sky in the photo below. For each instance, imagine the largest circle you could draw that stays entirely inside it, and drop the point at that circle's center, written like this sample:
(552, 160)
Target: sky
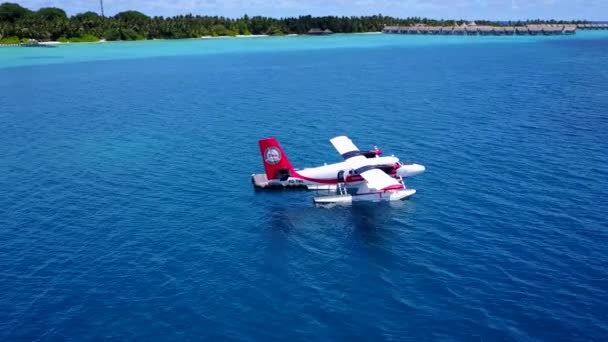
(436, 9)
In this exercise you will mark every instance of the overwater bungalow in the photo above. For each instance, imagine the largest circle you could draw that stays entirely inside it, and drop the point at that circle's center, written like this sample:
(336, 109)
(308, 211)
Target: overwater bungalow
(391, 29)
(318, 32)
(471, 30)
(535, 30)
(485, 30)
(459, 30)
(30, 43)
(570, 29)
(521, 30)
(498, 30)
(552, 29)
(593, 26)
(435, 30)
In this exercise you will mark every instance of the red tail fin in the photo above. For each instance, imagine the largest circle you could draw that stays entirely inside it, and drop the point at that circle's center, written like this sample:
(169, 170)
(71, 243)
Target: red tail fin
(276, 164)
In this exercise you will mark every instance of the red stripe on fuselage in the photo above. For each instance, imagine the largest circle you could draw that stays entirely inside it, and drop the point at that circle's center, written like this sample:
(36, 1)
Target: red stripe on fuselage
(349, 179)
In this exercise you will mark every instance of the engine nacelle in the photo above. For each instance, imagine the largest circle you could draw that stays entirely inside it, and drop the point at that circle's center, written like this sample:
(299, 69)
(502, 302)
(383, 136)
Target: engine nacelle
(409, 170)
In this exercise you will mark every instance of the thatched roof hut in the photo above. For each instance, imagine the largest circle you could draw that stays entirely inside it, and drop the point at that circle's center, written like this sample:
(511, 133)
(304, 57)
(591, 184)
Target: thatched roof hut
(509, 30)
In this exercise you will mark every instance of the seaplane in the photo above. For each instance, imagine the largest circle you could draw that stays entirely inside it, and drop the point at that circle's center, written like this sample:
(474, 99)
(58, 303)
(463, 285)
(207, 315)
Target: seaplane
(361, 176)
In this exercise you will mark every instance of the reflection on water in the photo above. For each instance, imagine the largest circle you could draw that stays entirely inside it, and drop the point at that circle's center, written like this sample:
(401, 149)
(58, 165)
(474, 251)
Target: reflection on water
(280, 219)
(373, 222)
(289, 216)
(363, 216)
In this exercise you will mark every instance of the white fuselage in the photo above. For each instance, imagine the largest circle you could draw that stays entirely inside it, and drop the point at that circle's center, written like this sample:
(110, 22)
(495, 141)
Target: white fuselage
(330, 171)
(326, 176)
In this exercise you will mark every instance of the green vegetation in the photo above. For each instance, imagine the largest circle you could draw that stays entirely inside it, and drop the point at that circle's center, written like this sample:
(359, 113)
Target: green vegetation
(10, 40)
(14, 40)
(52, 23)
(87, 38)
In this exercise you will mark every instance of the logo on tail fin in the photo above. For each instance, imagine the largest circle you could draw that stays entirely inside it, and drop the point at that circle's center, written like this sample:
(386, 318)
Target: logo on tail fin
(272, 155)
(276, 163)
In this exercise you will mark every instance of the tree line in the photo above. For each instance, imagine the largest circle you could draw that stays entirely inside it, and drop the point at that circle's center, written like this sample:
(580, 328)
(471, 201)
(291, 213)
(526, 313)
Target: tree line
(18, 23)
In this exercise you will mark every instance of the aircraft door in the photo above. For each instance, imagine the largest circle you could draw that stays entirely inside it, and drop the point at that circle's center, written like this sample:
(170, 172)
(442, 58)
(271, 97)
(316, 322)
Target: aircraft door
(341, 176)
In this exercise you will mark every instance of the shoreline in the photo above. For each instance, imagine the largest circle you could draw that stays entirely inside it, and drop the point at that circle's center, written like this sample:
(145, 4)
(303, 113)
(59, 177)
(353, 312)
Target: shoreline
(250, 36)
(237, 37)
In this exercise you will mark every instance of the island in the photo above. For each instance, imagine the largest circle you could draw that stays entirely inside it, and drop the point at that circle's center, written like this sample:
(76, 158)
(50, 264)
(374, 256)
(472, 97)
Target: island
(22, 26)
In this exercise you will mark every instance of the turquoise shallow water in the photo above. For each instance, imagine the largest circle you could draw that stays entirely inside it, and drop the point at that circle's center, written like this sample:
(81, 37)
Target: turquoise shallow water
(69, 53)
(127, 210)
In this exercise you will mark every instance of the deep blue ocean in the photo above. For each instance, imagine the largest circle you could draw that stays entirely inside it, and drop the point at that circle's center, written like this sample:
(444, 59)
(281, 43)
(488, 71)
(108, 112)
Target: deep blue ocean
(127, 210)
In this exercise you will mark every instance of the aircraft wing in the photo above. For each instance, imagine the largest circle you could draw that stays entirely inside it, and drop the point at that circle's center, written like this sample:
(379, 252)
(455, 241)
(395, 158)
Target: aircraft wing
(375, 178)
(345, 147)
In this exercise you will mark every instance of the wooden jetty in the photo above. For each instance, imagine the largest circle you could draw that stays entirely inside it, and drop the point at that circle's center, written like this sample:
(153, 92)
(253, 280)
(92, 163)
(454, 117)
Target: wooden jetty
(485, 30)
